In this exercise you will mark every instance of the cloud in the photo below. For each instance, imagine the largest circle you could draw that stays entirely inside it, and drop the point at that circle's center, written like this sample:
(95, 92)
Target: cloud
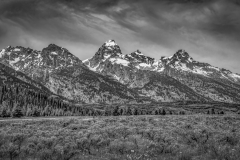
(208, 29)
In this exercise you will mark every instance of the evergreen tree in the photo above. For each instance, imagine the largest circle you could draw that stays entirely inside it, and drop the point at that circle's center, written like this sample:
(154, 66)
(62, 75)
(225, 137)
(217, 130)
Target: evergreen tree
(115, 111)
(128, 110)
(213, 112)
(3, 111)
(163, 112)
(17, 112)
(136, 111)
(29, 112)
(35, 112)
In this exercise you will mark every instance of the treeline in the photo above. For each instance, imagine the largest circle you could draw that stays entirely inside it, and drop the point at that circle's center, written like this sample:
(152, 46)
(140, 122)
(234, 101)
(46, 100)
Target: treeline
(19, 101)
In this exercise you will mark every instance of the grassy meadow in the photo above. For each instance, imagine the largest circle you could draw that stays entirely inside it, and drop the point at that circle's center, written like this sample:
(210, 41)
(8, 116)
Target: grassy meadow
(182, 137)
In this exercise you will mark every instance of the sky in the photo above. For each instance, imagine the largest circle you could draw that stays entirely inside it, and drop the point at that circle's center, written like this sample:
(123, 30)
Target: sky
(209, 30)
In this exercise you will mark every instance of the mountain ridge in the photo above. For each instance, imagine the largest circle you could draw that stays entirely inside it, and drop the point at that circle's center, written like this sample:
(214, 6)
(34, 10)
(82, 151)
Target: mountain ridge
(111, 76)
(135, 70)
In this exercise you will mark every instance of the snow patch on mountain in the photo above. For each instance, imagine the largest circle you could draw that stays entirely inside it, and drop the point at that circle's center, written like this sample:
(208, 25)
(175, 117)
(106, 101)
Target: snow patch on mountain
(110, 44)
(159, 69)
(236, 77)
(180, 66)
(54, 53)
(199, 70)
(93, 68)
(216, 68)
(2, 53)
(17, 49)
(224, 76)
(190, 59)
(106, 57)
(116, 77)
(15, 60)
(144, 65)
(86, 60)
(119, 61)
(155, 63)
(184, 67)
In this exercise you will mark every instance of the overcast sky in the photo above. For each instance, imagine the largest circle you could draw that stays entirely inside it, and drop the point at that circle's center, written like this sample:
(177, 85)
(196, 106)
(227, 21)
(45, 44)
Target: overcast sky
(209, 30)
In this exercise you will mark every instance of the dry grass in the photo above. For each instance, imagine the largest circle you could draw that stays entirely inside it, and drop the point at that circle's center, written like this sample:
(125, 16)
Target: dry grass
(181, 137)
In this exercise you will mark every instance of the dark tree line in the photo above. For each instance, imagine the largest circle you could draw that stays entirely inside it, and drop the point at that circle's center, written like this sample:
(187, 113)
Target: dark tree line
(18, 101)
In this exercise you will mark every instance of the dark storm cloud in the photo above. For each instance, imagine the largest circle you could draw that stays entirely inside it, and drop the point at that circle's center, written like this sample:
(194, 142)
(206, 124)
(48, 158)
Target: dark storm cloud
(208, 29)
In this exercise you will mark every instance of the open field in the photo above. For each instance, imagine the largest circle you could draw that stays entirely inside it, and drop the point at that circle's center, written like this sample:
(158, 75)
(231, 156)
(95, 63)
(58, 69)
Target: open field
(181, 137)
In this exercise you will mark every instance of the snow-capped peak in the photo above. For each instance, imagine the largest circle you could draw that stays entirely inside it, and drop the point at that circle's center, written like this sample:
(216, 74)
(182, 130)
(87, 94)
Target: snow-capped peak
(181, 56)
(181, 53)
(53, 46)
(110, 43)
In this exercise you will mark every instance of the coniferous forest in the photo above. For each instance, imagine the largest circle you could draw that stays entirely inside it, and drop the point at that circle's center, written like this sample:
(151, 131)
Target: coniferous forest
(19, 101)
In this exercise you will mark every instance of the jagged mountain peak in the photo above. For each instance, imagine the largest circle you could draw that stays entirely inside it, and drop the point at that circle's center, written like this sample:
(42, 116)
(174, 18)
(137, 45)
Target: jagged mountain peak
(108, 49)
(17, 50)
(182, 53)
(59, 56)
(53, 45)
(28, 60)
(14, 53)
(138, 52)
(135, 53)
(139, 57)
(54, 49)
(110, 43)
(181, 56)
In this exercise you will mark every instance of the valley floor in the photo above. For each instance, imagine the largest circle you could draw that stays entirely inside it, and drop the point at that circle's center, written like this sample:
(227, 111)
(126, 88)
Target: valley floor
(181, 137)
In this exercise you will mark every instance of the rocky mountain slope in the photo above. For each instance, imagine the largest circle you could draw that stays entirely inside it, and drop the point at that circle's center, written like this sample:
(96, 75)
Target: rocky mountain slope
(112, 77)
(64, 74)
(153, 78)
(13, 79)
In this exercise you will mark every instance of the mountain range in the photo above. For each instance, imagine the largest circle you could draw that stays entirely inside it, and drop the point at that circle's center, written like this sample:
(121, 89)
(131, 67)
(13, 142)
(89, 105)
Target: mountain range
(109, 76)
